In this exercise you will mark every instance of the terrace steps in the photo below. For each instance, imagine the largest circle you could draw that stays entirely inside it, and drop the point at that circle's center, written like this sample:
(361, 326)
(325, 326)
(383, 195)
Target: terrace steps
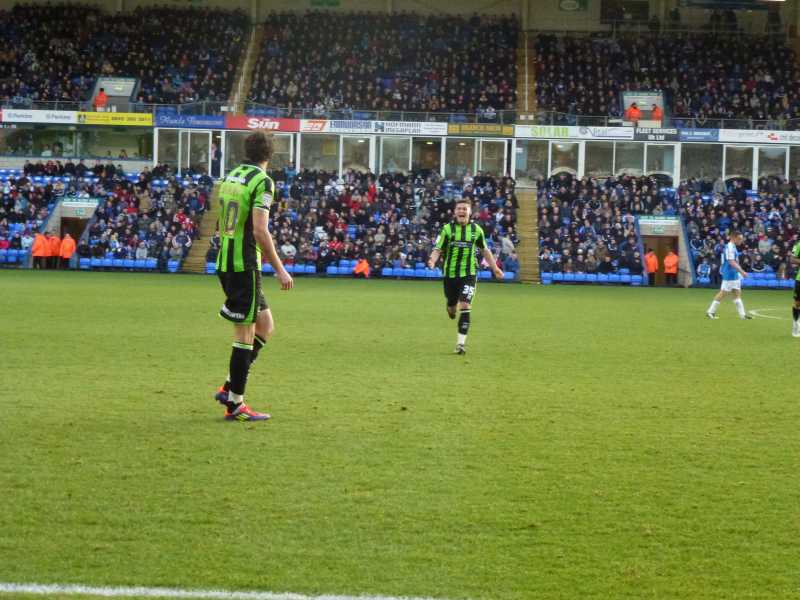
(528, 231)
(195, 261)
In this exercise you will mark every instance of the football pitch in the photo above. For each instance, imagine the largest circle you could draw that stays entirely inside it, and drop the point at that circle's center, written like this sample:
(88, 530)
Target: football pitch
(592, 443)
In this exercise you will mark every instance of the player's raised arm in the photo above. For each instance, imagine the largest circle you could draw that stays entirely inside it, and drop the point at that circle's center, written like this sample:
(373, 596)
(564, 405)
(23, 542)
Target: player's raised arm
(267, 245)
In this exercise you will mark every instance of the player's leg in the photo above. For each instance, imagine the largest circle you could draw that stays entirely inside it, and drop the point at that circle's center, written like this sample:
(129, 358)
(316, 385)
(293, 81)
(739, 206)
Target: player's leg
(466, 294)
(796, 310)
(737, 301)
(711, 313)
(451, 296)
(241, 304)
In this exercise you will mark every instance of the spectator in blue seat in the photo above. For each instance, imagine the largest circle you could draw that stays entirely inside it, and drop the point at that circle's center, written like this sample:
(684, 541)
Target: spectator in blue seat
(606, 266)
(704, 269)
(511, 263)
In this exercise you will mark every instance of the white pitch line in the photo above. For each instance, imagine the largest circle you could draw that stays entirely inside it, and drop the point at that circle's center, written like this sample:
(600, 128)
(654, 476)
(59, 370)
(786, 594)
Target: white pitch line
(757, 313)
(155, 592)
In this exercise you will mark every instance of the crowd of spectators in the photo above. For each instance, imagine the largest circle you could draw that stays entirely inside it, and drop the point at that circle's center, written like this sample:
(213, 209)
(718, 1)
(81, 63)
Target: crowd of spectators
(702, 76)
(151, 215)
(55, 52)
(588, 225)
(769, 221)
(400, 62)
(390, 221)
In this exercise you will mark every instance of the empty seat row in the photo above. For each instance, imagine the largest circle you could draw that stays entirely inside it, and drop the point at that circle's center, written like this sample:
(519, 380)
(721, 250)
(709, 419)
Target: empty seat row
(549, 278)
(12, 257)
(147, 264)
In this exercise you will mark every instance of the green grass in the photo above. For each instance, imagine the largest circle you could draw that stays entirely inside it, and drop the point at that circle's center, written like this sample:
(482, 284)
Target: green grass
(593, 443)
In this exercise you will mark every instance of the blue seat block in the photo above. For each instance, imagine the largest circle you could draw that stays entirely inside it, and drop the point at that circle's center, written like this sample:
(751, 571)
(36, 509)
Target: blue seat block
(85, 263)
(420, 273)
(129, 263)
(408, 272)
(580, 277)
(108, 263)
(484, 275)
(509, 276)
(547, 282)
(311, 269)
(331, 270)
(558, 277)
(569, 277)
(773, 283)
(613, 278)
(152, 263)
(602, 278)
(11, 256)
(140, 263)
(211, 268)
(430, 274)
(267, 268)
(387, 272)
(419, 265)
(95, 263)
(624, 278)
(172, 266)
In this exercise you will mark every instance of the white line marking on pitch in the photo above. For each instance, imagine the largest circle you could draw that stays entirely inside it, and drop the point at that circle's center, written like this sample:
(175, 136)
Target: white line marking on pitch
(145, 592)
(757, 313)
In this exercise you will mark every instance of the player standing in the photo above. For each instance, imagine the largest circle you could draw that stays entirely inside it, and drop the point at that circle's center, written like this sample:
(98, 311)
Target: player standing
(457, 242)
(245, 197)
(795, 259)
(732, 275)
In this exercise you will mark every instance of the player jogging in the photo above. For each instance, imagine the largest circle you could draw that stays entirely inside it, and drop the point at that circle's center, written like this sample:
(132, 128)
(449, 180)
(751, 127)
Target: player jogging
(732, 274)
(457, 242)
(245, 197)
(795, 258)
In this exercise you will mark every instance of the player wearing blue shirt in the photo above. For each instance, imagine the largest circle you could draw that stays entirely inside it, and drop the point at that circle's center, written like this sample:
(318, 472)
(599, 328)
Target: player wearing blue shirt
(732, 275)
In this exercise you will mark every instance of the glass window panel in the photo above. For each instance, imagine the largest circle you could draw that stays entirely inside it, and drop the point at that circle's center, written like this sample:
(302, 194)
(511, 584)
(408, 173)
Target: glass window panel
(564, 158)
(355, 152)
(661, 162)
(492, 157)
(199, 150)
(168, 147)
(459, 158)
(531, 161)
(395, 154)
(320, 152)
(739, 162)
(234, 150)
(426, 154)
(771, 161)
(701, 161)
(794, 163)
(629, 159)
(120, 142)
(599, 159)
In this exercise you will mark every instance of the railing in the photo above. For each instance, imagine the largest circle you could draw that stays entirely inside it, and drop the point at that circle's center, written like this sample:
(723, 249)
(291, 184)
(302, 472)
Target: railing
(502, 117)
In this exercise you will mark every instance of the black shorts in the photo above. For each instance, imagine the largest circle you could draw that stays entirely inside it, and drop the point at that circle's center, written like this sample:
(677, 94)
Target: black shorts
(243, 296)
(459, 289)
(796, 290)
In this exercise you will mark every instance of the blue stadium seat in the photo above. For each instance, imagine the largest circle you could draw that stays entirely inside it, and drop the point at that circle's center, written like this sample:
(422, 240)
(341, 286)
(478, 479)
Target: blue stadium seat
(546, 276)
(419, 265)
(420, 273)
(509, 276)
(129, 263)
(407, 272)
(211, 268)
(118, 263)
(344, 263)
(95, 263)
(12, 255)
(624, 278)
(613, 278)
(624, 271)
(569, 277)
(558, 277)
(140, 264)
(431, 274)
(173, 265)
(484, 275)
(332, 270)
(387, 272)
(704, 280)
(311, 269)
(267, 268)
(773, 283)
(580, 277)
(602, 278)
(547, 281)
(85, 263)
(108, 263)
(152, 263)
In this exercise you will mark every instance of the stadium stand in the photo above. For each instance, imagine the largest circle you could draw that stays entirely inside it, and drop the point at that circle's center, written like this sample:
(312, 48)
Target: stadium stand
(769, 220)
(402, 62)
(587, 228)
(705, 77)
(54, 52)
(325, 224)
(24, 209)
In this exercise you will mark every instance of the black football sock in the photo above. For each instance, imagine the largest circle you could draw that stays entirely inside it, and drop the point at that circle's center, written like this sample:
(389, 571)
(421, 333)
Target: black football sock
(258, 344)
(463, 322)
(239, 367)
(796, 313)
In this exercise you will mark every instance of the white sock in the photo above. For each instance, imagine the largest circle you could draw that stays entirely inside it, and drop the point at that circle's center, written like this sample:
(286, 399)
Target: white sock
(235, 398)
(462, 339)
(713, 308)
(739, 307)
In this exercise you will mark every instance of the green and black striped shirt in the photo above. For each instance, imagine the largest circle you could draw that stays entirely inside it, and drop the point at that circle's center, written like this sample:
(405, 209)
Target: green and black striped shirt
(457, 243)
(245, 189)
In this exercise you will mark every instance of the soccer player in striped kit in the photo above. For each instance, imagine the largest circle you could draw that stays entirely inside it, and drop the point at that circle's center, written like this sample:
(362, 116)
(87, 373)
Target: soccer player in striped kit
(457, 242)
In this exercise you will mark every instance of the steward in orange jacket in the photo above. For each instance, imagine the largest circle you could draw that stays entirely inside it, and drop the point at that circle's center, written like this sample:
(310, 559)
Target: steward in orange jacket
(362, 269)
(54, 245)
(39, 251)
(67, 250)
(651, 265)
(671, 267)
